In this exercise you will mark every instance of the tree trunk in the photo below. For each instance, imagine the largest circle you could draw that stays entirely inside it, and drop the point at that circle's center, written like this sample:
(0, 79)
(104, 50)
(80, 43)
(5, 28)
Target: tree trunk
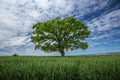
(62, 53)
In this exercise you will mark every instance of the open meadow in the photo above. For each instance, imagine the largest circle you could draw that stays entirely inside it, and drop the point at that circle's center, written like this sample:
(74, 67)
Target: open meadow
(60, 68)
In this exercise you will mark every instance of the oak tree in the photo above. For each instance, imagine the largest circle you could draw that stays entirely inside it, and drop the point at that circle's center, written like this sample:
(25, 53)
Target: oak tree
(60, 35)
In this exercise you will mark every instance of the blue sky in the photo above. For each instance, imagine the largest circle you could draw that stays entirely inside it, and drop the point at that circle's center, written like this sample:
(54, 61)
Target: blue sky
(17, 17)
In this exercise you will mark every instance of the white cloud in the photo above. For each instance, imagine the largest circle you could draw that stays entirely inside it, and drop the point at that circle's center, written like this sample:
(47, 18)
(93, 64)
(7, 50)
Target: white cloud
(87, 6)
(100, 37)
(9, 19)
(35, 14)
(105, 22)
(44, 4)
(21, 40)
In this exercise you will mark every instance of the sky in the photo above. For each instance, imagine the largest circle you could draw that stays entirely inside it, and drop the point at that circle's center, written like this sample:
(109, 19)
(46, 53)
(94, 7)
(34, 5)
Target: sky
(17, 17)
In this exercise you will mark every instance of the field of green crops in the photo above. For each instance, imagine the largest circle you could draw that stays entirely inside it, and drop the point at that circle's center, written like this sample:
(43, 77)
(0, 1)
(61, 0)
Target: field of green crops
(60, 68)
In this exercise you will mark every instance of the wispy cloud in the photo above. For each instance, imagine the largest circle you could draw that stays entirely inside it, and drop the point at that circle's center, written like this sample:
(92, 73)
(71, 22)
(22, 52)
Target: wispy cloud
(105, 22)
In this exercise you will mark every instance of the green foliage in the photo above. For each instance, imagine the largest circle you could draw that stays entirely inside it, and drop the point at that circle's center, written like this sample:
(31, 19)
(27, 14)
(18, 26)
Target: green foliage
(60, 34)
(57, 68)
(15, 54)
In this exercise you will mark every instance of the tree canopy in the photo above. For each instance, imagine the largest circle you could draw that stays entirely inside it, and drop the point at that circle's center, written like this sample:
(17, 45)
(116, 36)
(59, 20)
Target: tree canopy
(60, 35)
